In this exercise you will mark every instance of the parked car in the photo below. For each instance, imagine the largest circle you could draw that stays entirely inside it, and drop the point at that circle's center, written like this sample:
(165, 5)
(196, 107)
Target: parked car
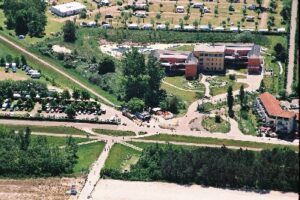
(106, 26)
(179, 9)
(108, 16)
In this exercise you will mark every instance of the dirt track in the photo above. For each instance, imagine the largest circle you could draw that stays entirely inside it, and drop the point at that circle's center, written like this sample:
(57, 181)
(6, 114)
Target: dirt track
(37, 189)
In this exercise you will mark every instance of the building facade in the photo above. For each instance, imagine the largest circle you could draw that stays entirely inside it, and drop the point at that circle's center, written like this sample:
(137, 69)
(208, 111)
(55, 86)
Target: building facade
(176, 62)
(210, 57)
(219, 56)
(272, 115)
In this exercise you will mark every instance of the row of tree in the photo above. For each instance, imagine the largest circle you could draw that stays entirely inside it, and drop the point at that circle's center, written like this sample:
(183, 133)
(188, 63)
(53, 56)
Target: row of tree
(21, 156)
(24, 87)
(276, 169)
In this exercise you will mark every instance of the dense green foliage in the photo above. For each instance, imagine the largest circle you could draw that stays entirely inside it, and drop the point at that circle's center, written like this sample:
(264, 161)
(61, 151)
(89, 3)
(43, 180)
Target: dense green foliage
(9, 87)
(106, 65)
(69, 31)
(26, 16)
(141, 79)
(276, 169)
(19, 156)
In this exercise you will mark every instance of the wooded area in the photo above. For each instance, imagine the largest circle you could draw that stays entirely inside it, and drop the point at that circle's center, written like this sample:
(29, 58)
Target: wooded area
(276, 169)
(20, 157)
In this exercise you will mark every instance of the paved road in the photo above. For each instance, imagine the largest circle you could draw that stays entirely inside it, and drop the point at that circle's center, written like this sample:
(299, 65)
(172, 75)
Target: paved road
(150, 131)
(291, 65)
(94, 174)
(40, 60)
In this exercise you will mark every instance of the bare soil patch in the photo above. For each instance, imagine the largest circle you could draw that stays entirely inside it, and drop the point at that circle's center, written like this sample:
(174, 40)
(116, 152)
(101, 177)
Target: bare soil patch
(38, 189)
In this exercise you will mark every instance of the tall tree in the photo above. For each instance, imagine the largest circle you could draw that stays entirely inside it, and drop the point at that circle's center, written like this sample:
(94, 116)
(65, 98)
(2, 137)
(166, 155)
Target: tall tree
(69, 31)
(242, 96)
(153, 94)
(71, 150)
(65, 95)
(135, 76)
(70, 112)
(76, 94)
(262, 87)
(230, 101)
(106, 65)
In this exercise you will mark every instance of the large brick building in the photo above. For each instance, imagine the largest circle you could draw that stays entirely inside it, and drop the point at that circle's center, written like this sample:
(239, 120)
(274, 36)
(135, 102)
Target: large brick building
(219, 56)
(211, 58)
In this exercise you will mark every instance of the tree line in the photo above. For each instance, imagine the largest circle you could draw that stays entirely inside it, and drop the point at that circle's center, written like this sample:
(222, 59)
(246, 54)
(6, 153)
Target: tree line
(20, 156)
(276, 169)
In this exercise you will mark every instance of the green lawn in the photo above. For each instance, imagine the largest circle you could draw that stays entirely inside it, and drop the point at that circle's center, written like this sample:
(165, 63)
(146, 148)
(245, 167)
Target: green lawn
(216, 88)
(47, 129)
(114, 132)
(181, 82)
(215, 141)
(144, 145)
(58, 141)
(187, 96)
(87, 154)
(211, 125)
(121, 157)
(247, 124)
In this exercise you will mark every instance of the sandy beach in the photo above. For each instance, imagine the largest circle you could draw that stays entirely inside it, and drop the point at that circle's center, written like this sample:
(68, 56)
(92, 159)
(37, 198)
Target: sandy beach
(125, 190)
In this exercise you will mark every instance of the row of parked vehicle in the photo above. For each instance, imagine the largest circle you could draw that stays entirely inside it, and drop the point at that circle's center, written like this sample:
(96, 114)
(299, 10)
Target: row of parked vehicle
(30, 72)
(13, 106)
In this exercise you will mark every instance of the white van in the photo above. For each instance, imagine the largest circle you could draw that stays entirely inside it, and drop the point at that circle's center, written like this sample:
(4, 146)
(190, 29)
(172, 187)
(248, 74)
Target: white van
(180, 9)
(35, 75)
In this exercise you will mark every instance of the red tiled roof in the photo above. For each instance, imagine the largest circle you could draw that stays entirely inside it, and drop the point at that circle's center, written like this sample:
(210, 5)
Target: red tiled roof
(272, 106)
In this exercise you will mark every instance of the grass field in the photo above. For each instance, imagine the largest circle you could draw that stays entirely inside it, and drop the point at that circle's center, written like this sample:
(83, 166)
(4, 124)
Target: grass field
(210, 125)
(121, 157)
(144, 145)
(214, 141)
(87, 154)
(58, 141)
(47, 129)
(114, 132)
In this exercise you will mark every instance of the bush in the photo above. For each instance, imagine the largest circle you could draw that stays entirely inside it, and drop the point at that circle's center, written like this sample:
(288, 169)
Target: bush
(217, 119)
(232, 77)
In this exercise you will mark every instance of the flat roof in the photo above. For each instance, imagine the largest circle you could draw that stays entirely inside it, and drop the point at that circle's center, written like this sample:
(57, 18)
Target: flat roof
(69, 6)
(210, 48)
